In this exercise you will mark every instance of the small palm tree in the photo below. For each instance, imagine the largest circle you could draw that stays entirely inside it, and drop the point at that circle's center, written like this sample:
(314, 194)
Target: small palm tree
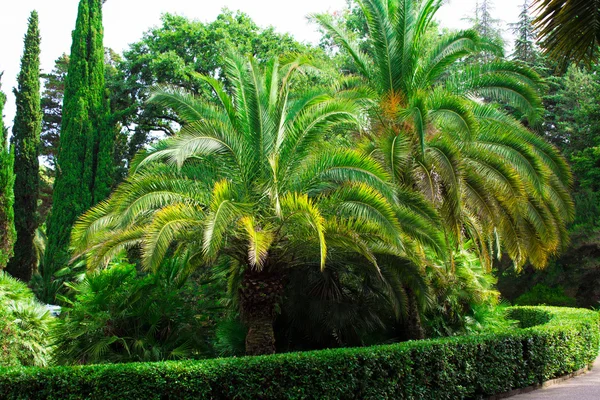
(249, 181)
(25, 324)
(436, 132)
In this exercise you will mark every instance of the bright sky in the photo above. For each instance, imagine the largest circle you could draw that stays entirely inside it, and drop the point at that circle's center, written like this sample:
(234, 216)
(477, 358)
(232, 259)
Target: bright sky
(126, 20)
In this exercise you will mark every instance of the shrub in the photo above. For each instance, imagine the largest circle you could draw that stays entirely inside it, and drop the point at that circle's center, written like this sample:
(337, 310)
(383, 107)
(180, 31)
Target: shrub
(24, 325)
(466, 300)
(119, 315)
(543, 295)
(450, 368)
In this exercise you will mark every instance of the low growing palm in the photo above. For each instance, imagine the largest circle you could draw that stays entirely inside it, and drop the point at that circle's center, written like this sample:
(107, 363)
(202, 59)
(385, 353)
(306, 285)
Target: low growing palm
(25, 326)
(249, 181)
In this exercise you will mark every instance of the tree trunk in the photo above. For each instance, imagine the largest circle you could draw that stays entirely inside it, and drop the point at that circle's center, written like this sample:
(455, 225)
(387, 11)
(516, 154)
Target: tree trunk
(259, 295)
(24, 261)
(414, 326)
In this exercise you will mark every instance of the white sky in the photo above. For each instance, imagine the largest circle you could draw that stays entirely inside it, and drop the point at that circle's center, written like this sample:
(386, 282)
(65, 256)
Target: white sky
(126, 20)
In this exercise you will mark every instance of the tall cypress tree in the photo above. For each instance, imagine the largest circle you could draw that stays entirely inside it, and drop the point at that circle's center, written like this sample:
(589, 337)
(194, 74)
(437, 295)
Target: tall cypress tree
(7, 179)
(85, 155)
(26, 148)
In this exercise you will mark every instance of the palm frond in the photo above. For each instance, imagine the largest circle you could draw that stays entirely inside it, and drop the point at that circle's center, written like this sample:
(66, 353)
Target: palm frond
(569, 29)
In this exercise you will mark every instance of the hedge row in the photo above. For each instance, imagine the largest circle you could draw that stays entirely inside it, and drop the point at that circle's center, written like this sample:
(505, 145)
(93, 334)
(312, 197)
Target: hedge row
(451, 368)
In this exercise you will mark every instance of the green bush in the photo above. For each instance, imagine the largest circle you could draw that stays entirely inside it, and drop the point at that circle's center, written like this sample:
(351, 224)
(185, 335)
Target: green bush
(24, 325)
(543, 295)
(120, 315)
(451, 368)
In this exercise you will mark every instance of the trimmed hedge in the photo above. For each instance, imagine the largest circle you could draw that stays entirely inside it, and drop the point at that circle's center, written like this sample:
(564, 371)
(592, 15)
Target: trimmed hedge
(450, 368)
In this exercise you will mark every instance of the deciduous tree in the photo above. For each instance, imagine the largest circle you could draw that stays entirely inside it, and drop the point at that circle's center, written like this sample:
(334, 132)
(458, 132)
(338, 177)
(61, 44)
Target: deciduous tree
(52, 103)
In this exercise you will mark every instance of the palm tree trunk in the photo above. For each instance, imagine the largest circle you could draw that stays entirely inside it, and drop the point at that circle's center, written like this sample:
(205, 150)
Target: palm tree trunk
(414, 326)
(259, 295)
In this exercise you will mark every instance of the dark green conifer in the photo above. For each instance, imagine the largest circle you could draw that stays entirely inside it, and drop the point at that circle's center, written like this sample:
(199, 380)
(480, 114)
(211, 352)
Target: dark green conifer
(85, 155)
(525, 48)
(7, 179)
(25, 148)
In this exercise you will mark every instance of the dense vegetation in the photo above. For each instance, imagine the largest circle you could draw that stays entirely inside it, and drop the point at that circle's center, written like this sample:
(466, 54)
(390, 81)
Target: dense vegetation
(25, 325)
(220, 189)
(464, 367)
(7, 196)
(118, 315)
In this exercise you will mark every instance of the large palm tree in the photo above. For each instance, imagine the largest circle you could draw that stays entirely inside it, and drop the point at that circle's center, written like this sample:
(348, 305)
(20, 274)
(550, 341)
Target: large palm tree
(436, 130)
(249, 181)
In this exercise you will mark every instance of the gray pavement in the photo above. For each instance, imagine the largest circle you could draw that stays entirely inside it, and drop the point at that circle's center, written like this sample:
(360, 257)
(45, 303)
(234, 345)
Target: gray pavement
(582, 387)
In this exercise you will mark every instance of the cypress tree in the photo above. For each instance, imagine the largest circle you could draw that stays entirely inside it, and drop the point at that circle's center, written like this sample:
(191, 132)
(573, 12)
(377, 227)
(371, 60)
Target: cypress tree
(25, 148)
(7, 229)
(85, 154)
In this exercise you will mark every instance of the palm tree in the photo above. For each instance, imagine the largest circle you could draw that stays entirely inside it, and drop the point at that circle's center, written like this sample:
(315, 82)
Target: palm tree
(436, 131)
(250, 182)
(569, 29)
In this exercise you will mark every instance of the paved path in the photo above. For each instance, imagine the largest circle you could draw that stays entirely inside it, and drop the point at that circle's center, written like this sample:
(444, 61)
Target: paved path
(583, 387)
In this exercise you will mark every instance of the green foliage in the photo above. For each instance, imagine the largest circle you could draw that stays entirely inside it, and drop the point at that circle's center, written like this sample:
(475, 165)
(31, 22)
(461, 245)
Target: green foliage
(250, 180)
(464, 296)
(573, 123)
(462, 367)
(586, 168)
(26, 148)
(230, 338)
(531, 316)
(52, 102)
(486, 25)
(25, 326)
(575, 109)
(543, 295)
(7, 180)
(525, 46)
(175, 53)
(119, 315)
(569, 30)
(587, 206)
(490, 179)
(85, 158)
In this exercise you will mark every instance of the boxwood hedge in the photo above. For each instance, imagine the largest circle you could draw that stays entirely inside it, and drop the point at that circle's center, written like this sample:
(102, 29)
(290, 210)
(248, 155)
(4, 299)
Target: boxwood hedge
(551, 342)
